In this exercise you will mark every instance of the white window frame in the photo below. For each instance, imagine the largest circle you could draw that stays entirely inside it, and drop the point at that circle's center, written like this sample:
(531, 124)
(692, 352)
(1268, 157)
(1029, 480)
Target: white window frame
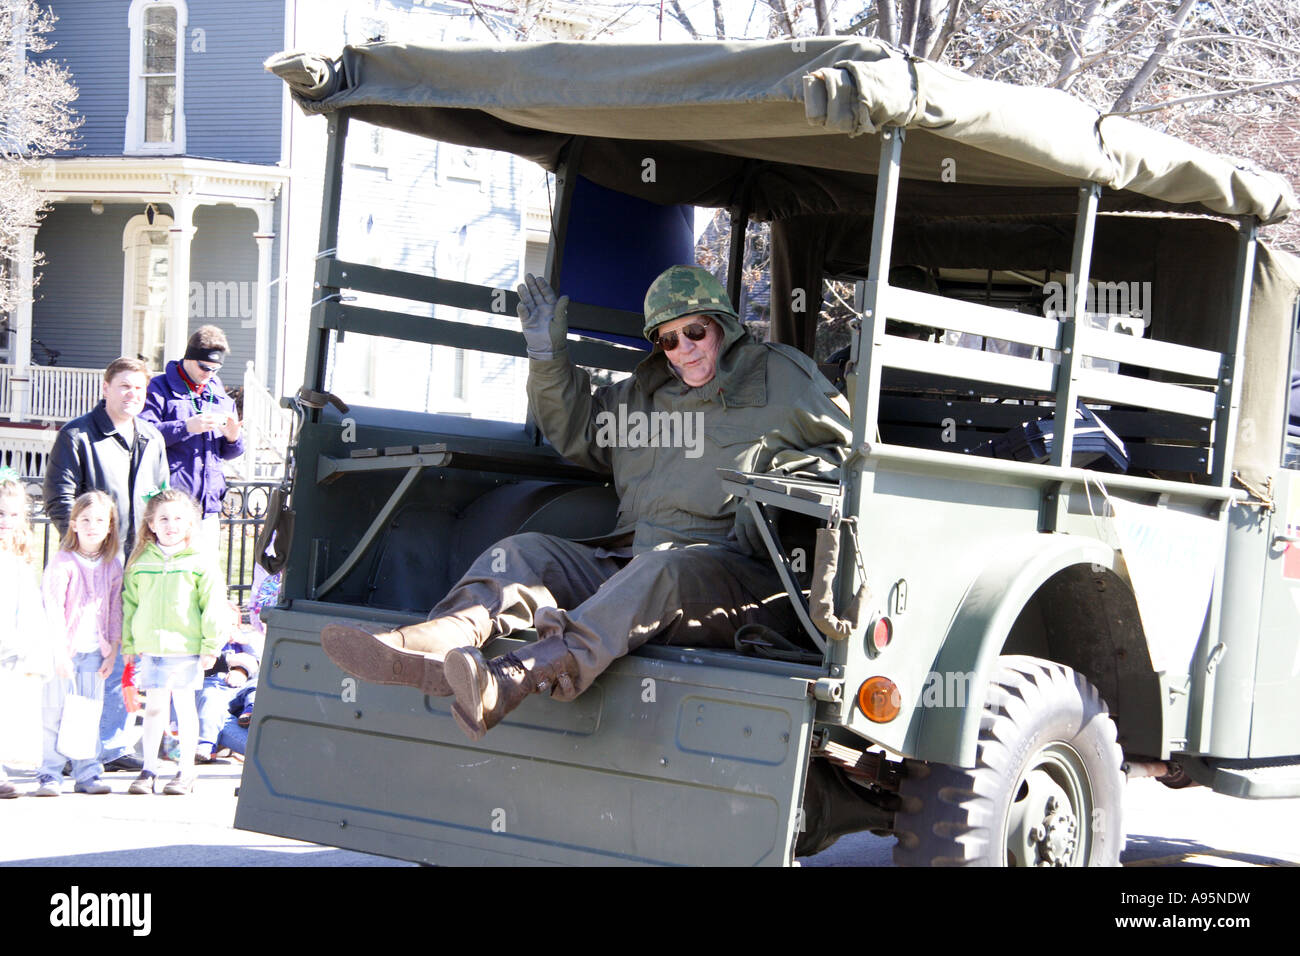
(136, 225)
(135, 113)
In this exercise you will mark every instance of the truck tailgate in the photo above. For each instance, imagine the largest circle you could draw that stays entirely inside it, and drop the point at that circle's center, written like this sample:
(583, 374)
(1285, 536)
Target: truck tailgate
(672, 757)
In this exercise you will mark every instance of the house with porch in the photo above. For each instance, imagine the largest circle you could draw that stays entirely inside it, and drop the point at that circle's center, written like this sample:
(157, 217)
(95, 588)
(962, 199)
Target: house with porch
(193, 197)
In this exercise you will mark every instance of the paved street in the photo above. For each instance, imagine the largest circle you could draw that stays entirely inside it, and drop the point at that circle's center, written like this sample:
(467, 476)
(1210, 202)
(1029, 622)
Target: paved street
(1166, 828)
(1194, 827)
(118, 829)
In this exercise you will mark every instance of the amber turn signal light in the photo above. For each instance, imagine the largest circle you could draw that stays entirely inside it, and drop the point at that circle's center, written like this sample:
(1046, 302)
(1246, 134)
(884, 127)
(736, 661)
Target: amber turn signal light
(879, 700)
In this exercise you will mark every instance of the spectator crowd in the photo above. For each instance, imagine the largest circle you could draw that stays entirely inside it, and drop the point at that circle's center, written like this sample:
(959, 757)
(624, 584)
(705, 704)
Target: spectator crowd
(131, 611)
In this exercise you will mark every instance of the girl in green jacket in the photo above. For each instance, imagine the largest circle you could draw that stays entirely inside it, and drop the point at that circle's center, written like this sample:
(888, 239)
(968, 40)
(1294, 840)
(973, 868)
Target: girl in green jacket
(174, 618)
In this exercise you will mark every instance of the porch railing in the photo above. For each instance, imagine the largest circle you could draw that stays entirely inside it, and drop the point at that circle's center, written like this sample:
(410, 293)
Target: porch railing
(54, 394)
(267, 428)
(26, 450)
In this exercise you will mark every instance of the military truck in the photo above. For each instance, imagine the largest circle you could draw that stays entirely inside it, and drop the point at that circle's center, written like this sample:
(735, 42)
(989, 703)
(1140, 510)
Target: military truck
(1000, 623)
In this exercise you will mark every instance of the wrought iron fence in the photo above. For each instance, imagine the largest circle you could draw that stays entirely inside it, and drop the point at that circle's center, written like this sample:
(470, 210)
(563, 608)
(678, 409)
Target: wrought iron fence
(243, 513)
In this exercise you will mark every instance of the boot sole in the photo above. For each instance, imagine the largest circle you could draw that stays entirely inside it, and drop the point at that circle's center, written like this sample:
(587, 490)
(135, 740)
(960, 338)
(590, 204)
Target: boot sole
(367, 657)
(467, 682)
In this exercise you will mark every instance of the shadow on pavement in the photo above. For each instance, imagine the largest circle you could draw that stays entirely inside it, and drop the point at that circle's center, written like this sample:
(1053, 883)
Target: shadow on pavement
(196, 854)
(1168, 851)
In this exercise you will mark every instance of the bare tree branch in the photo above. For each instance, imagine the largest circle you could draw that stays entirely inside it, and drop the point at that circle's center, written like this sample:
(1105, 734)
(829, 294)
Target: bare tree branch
(781, 17)
(1139, 82)
(680, 16)
(1218, 95)
(36, 119)
(1013, 35)
(1236, 38)
(951, 27)
(483, 18)
(719, 24)
(860, 23)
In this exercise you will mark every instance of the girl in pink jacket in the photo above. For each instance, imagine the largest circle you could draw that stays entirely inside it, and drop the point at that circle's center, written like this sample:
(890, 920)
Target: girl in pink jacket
(82, 588)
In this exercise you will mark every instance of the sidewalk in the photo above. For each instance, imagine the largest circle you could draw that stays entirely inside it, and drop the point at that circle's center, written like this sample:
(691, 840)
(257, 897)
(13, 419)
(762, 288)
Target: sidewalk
(118, 829)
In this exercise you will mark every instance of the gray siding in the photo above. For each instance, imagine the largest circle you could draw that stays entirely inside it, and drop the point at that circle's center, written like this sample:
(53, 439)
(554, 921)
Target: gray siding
(232, 105)
(94, 42)
(78, 305)
(223, 261)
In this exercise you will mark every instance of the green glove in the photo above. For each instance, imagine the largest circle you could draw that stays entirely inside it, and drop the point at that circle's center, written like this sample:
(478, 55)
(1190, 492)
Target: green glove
(545, 319)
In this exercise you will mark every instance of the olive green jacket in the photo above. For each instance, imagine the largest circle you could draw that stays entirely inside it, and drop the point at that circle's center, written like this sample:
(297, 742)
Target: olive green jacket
(768, 409)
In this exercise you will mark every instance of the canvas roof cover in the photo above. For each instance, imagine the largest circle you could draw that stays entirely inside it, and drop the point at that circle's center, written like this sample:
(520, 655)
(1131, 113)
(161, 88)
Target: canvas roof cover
(765, 100)
(788, 131)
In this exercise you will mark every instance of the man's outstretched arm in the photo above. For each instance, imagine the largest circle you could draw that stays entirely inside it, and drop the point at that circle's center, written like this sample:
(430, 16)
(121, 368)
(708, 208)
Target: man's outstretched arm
(560, 393)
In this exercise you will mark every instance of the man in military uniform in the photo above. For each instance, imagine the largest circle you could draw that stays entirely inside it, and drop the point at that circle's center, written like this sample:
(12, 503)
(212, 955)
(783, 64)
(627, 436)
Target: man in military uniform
(685, 563)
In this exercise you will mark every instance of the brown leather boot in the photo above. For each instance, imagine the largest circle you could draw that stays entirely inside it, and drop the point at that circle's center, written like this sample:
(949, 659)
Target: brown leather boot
(410, 656)
(488, 690)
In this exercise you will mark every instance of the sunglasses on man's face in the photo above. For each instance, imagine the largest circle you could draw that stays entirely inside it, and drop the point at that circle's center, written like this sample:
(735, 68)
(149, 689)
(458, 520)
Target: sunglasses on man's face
(696, 331)
(210, 369)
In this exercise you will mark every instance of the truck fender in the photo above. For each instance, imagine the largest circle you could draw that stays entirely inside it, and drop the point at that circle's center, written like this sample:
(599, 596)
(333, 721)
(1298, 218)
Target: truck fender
(980, 628)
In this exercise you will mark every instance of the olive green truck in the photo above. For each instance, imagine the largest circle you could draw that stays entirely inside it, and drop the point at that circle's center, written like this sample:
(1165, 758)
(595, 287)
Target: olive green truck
(1062, 551)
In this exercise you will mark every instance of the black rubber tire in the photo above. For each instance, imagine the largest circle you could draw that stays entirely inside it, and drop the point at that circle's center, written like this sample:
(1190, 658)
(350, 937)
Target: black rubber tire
(1046, 737)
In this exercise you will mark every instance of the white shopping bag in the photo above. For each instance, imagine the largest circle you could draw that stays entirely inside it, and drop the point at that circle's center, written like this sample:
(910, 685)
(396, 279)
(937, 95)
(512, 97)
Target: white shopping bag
(79, 727)
(20, 719)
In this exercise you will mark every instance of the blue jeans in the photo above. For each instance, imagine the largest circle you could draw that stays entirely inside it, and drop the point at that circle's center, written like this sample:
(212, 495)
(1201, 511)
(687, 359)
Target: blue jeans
(88, 683)
(219, 710)
(214, 704)
(114, 722)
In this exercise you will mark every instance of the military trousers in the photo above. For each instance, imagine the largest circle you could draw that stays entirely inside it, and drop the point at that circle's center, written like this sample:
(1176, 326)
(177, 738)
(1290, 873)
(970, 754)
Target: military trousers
(605, 604)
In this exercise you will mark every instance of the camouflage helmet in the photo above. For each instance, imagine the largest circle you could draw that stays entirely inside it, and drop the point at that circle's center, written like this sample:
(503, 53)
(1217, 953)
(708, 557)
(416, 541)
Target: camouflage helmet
(684, 290)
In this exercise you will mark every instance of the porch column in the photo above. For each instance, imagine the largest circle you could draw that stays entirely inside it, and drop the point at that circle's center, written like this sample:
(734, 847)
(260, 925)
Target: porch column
(265, 238)
(21, 326)
(178, 319)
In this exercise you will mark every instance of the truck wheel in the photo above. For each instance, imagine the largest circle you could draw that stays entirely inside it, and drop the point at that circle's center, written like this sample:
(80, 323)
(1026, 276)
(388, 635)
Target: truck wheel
(1046, 789)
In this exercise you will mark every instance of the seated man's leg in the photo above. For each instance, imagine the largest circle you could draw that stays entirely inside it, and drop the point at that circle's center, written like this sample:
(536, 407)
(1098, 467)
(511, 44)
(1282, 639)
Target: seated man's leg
(695, 596)
(499, 594)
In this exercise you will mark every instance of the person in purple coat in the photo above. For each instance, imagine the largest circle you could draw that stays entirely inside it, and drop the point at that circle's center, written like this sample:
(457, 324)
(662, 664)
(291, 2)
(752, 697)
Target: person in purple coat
(199, 424)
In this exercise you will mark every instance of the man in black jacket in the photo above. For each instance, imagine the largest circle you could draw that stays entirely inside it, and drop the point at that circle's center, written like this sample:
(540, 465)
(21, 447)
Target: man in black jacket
(109, 449)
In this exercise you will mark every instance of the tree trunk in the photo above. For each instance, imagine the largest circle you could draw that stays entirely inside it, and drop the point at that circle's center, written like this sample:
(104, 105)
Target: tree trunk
(907, 29)
(888, 28)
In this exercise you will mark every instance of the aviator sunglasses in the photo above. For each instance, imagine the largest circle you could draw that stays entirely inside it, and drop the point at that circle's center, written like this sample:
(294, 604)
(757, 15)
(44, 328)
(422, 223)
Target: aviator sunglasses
(695, 332)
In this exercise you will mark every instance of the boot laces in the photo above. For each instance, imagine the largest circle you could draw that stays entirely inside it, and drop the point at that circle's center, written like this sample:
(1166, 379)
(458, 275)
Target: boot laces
(509, 668)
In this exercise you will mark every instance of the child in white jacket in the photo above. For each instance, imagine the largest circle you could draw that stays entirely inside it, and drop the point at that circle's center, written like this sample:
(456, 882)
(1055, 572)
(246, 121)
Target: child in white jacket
(22, 619)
